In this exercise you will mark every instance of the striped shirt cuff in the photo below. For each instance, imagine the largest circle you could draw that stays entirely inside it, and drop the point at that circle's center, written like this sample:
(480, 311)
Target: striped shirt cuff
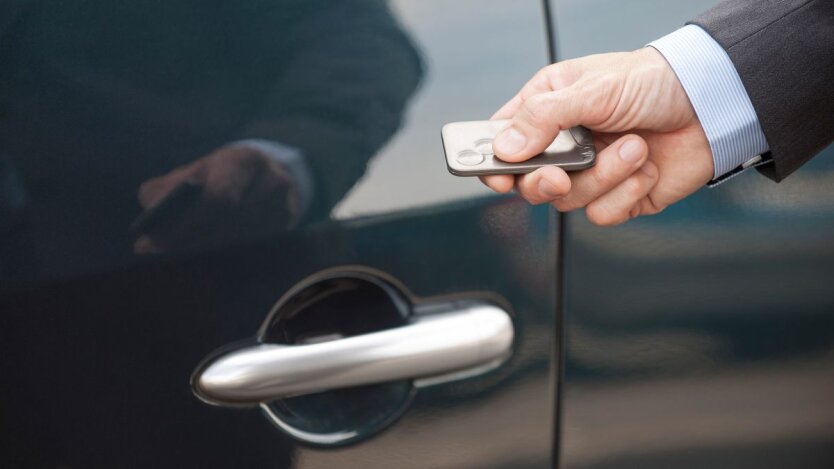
(292, 159)
(718, 96)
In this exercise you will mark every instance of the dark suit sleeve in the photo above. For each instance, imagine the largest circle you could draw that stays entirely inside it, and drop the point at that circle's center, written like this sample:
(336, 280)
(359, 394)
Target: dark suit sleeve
(343, 93)
(783, 51)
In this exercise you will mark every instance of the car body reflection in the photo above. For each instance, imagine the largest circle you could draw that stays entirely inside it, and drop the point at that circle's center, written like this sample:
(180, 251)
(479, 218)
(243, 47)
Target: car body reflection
(272, 110)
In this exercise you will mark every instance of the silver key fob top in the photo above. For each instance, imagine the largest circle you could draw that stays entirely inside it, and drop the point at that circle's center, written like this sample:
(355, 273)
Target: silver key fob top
(468, 148)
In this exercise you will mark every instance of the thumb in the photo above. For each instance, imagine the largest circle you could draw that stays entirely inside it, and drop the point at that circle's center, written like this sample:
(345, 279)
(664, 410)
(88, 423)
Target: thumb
(539, 120)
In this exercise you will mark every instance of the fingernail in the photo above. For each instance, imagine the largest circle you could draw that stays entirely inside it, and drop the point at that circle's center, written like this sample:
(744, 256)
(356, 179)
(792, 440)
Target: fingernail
(630, 151)
(509, 142)
(548, 190)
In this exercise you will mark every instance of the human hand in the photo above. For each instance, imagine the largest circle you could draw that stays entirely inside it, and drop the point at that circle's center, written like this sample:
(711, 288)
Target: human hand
(243, 195)
(651, 148)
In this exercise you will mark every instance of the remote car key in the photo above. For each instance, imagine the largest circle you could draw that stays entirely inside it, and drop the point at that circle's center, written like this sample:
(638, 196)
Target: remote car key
(468, 147)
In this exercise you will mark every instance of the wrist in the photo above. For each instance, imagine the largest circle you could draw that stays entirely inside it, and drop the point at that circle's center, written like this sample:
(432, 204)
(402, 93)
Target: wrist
(671, 108)
(718, 96)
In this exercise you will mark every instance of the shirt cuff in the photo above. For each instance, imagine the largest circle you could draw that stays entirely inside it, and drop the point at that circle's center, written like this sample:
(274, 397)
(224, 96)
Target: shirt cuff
(721, 103)
(290, 158)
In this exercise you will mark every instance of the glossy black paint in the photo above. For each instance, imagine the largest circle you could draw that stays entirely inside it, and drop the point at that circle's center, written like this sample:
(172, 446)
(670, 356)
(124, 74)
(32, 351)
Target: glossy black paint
(102, 326)
(703, 336)
(119, 377)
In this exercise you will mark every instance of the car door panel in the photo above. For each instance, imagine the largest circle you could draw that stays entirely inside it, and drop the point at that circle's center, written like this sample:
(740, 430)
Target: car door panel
(102, 328)
(700, 337)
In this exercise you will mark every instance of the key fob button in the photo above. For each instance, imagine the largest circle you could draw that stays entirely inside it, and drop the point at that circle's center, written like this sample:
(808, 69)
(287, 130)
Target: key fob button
(484, 146)
(470, 158)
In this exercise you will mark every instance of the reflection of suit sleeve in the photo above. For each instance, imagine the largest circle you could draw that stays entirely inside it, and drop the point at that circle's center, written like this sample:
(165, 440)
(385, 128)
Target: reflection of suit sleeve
(783, 51)
(342, 94)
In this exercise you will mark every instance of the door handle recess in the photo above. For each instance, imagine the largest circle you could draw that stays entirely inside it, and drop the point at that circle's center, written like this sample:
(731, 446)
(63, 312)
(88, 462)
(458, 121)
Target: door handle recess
(473, 336)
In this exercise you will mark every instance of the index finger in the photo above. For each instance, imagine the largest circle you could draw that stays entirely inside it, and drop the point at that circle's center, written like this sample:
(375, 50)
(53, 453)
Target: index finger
(550, 78)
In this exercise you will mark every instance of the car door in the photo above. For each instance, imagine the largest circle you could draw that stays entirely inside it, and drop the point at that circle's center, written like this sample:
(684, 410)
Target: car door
(703, 336)
(188, 186)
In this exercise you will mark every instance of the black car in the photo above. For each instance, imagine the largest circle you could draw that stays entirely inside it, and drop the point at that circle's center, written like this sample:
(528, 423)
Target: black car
(228, 239)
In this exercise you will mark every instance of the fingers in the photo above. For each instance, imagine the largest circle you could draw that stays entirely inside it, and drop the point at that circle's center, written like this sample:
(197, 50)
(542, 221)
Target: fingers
(545, 184)
(537, 123)
(540, 118)
(612, 191)
(500, 183)
(243, 195)
(550, 78)
(539, 83)
(624, 201)
(614, 165)
(509, 109)
(152, 191)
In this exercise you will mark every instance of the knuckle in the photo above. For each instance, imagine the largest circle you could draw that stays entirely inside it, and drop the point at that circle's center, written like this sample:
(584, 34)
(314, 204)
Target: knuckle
(543, 73)
(634, 189)
(601, 175)
(607, 84)
(602, 94)
(651, 206)
(536, 109)
(547, 71)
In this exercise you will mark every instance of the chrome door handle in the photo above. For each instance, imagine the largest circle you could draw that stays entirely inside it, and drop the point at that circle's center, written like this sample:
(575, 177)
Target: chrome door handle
(475, 336)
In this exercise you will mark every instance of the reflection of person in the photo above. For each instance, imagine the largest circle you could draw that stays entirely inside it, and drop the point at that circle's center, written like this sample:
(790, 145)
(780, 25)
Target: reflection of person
(749, 83)
(280, 104)
(242, 193)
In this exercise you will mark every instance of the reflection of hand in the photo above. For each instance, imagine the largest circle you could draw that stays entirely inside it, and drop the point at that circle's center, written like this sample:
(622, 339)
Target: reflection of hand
(652, 149)
(244, 195)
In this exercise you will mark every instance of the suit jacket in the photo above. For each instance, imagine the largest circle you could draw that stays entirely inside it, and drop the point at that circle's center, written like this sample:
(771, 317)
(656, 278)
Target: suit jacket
(783, 51)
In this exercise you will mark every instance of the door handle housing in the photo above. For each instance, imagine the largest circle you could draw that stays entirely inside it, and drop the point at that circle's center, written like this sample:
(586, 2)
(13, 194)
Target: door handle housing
(470, 336)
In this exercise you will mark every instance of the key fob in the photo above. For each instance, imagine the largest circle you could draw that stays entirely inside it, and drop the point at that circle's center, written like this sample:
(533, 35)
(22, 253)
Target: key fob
(468, 148)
